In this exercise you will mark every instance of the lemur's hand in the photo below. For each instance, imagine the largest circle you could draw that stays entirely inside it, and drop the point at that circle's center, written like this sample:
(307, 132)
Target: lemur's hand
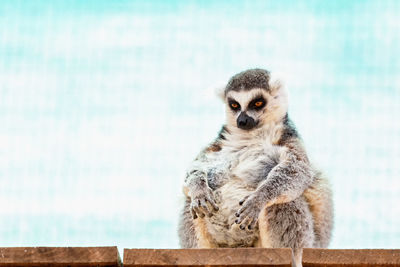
(203, 202)
(248, 213)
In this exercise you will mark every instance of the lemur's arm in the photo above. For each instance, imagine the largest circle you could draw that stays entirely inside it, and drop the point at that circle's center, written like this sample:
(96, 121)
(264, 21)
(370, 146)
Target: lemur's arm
(196, 185)
(287, 180)
(284, 183)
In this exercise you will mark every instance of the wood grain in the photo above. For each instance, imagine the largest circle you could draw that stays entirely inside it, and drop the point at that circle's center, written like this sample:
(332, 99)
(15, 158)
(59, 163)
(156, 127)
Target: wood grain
(351, 257)
(207, 257)
(59, 256)
(109, 257)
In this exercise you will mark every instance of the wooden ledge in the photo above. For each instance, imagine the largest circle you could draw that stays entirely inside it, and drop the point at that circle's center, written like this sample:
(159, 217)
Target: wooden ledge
(59, 256)
(109, 257)
(350, 257)
(208, 257)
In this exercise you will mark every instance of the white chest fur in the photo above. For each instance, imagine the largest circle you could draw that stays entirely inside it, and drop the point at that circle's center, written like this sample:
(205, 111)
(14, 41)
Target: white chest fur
(243, 168)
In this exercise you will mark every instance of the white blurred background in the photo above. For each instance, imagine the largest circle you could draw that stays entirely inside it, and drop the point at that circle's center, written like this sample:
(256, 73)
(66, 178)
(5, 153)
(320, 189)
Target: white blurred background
(103, 104)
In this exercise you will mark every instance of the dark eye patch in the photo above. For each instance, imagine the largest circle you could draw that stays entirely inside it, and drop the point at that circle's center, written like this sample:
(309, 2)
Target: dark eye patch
(233, 104)
(257, 103)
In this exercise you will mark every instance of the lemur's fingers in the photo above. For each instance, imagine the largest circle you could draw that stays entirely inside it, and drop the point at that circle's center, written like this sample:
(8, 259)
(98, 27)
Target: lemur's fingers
(245, 223)
(208, 207)
(204, 207)
(241, 219)
(196, 208)
(240, 211)
(253, 224)
(194, 215)
(199, 209)
(212, 203)
(243, 200)
(241, 216)
(200, 213)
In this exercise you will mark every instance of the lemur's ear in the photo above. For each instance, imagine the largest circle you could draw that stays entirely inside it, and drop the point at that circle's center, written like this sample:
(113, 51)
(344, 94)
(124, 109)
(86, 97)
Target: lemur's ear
(277, 84)
(219, 90)
(278, 93)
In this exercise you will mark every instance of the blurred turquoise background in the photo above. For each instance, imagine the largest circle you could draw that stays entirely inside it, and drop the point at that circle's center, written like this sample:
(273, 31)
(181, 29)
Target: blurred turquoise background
(103, 104)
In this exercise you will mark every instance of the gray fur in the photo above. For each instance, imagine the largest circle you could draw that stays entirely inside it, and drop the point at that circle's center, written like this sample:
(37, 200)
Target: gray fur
(249, 79)
(256, 187)
(289, 131)
(187, 235)
(323, 221)
(292, 223)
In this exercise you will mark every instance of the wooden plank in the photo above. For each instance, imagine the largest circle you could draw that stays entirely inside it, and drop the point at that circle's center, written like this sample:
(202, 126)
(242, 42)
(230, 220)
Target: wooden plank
(351, 257)
(208, 257)
(59, 256)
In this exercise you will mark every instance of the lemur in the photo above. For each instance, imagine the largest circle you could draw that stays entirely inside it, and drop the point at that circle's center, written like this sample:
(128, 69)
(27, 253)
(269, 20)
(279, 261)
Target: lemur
(254, 186)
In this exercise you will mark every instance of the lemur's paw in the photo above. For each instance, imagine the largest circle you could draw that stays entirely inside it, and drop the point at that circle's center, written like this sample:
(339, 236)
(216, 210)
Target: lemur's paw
(248, 213)
(203, 203)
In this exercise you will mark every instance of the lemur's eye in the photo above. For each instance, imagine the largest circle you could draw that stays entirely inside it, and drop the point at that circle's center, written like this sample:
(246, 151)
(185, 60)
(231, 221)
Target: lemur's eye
(235, 106)
(258, 104)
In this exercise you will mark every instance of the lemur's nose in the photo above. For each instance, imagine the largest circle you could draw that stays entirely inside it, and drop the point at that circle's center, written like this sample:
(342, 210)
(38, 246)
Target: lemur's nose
(245, 122)
(242, 122)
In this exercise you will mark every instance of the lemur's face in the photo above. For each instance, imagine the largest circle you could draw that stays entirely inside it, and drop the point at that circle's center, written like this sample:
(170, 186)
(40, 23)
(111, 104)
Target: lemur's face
(246, 108)
(254, 99)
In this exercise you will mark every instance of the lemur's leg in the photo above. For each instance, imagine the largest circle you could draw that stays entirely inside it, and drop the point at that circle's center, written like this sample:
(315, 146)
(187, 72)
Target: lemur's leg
(186, 230)
(287, 225)
(204, 239)
(319, 199)
(193, 232)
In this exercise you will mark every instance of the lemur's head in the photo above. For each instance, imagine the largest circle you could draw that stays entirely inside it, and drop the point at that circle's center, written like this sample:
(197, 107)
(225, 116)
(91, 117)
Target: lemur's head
(254, 99)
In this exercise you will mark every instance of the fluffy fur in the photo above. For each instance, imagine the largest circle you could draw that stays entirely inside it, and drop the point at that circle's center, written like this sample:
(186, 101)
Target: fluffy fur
(256, 187)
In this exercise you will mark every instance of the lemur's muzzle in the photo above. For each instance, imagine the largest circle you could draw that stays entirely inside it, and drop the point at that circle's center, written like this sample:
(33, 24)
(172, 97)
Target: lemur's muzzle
(245, 122)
